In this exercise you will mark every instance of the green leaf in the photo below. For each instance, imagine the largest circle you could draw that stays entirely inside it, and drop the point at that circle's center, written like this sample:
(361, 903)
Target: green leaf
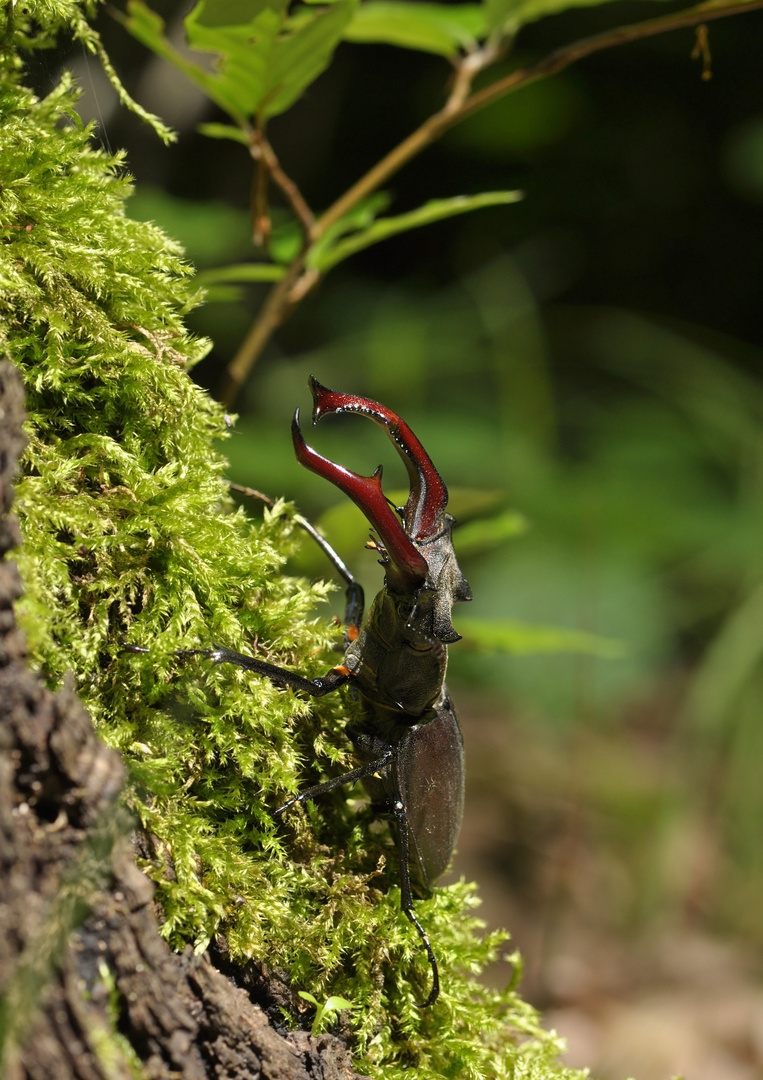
(304, 52)
(432, 28)
(524, 639)
(469, 504)
(286, 241)
(266, 56)
(383, 229)
(240, 274)
(359, 218)
(479, 536)
(325, 1012)
(505, 17)
(499, 14)
(148, 28)
(336, 1004)
(240, 81)
(224, 131)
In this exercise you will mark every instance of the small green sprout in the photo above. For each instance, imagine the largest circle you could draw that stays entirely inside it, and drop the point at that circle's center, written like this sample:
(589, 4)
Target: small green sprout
(325, 1013)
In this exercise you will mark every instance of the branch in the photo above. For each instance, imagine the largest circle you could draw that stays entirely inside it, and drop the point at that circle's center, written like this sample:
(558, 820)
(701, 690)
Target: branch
(263, 153)
(288, 292)
(567, 55)
(274, 311)
(436, 126)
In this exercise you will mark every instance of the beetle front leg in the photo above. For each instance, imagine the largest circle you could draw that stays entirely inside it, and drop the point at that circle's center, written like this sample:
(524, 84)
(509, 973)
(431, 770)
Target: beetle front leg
(354, 597)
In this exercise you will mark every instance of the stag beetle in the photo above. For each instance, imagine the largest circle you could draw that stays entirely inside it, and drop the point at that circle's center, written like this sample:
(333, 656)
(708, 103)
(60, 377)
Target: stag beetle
(407, 738)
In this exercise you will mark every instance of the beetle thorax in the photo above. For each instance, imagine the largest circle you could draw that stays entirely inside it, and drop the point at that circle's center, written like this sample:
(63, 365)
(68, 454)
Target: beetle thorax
(397, 665)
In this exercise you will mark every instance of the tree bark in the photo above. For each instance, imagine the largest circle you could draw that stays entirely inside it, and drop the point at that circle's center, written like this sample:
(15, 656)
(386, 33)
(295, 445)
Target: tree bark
(88, 988)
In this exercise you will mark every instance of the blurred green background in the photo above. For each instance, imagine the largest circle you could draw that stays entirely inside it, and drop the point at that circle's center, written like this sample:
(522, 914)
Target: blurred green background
(590, 358)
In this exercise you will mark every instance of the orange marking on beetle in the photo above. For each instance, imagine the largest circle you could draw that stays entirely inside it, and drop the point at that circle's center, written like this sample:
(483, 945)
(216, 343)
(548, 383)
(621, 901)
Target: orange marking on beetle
(352, 632)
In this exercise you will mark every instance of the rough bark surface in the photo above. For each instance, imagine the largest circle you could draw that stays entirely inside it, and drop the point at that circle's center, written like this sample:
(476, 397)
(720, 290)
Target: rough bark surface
(88, 989)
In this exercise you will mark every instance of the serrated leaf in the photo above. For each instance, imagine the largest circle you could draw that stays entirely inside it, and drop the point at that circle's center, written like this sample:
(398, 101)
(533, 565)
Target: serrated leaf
(304, 52)
(524, 639)
(240, 81)
(384, 228)
(266, 55)
(232, 12)
(434, 28)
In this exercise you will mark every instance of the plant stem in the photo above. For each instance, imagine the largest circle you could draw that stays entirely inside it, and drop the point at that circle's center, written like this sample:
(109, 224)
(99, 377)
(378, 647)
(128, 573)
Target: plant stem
(276, 308)
(569, 54)
(261, 150)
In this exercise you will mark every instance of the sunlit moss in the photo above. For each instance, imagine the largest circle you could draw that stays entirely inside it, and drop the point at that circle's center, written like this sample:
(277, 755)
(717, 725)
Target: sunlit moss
(129, 533)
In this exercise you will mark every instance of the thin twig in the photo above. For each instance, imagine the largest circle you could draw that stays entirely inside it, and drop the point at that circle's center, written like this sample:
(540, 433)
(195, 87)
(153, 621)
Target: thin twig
(252, 493)
(459, 106)
(276, 308)
(701, 51)
(567, 55)
(262, 151)
(260, 211)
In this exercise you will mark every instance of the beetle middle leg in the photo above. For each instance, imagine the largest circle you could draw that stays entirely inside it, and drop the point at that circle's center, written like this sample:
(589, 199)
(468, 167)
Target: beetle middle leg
(338, 781)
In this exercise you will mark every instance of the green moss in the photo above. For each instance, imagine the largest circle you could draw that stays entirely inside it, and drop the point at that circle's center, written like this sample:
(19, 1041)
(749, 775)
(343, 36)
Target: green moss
(129, 533)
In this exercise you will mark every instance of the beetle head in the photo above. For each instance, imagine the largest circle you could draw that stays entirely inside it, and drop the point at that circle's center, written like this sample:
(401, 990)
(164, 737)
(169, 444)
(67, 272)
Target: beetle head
(414, 540)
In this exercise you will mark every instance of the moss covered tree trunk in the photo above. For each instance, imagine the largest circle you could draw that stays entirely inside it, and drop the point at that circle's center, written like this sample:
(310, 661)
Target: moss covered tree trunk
(156, 920)
(89, 988)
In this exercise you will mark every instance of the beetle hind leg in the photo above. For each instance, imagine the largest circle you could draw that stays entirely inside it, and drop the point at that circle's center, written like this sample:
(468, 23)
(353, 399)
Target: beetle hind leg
(406, 900)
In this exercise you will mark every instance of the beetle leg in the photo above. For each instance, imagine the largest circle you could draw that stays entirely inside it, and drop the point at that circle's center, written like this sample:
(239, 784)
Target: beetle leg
(324, 684)
(401, 820)
(406, 899)
(354, 597)
(318, 687)
(355, 600)
(338, 781)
